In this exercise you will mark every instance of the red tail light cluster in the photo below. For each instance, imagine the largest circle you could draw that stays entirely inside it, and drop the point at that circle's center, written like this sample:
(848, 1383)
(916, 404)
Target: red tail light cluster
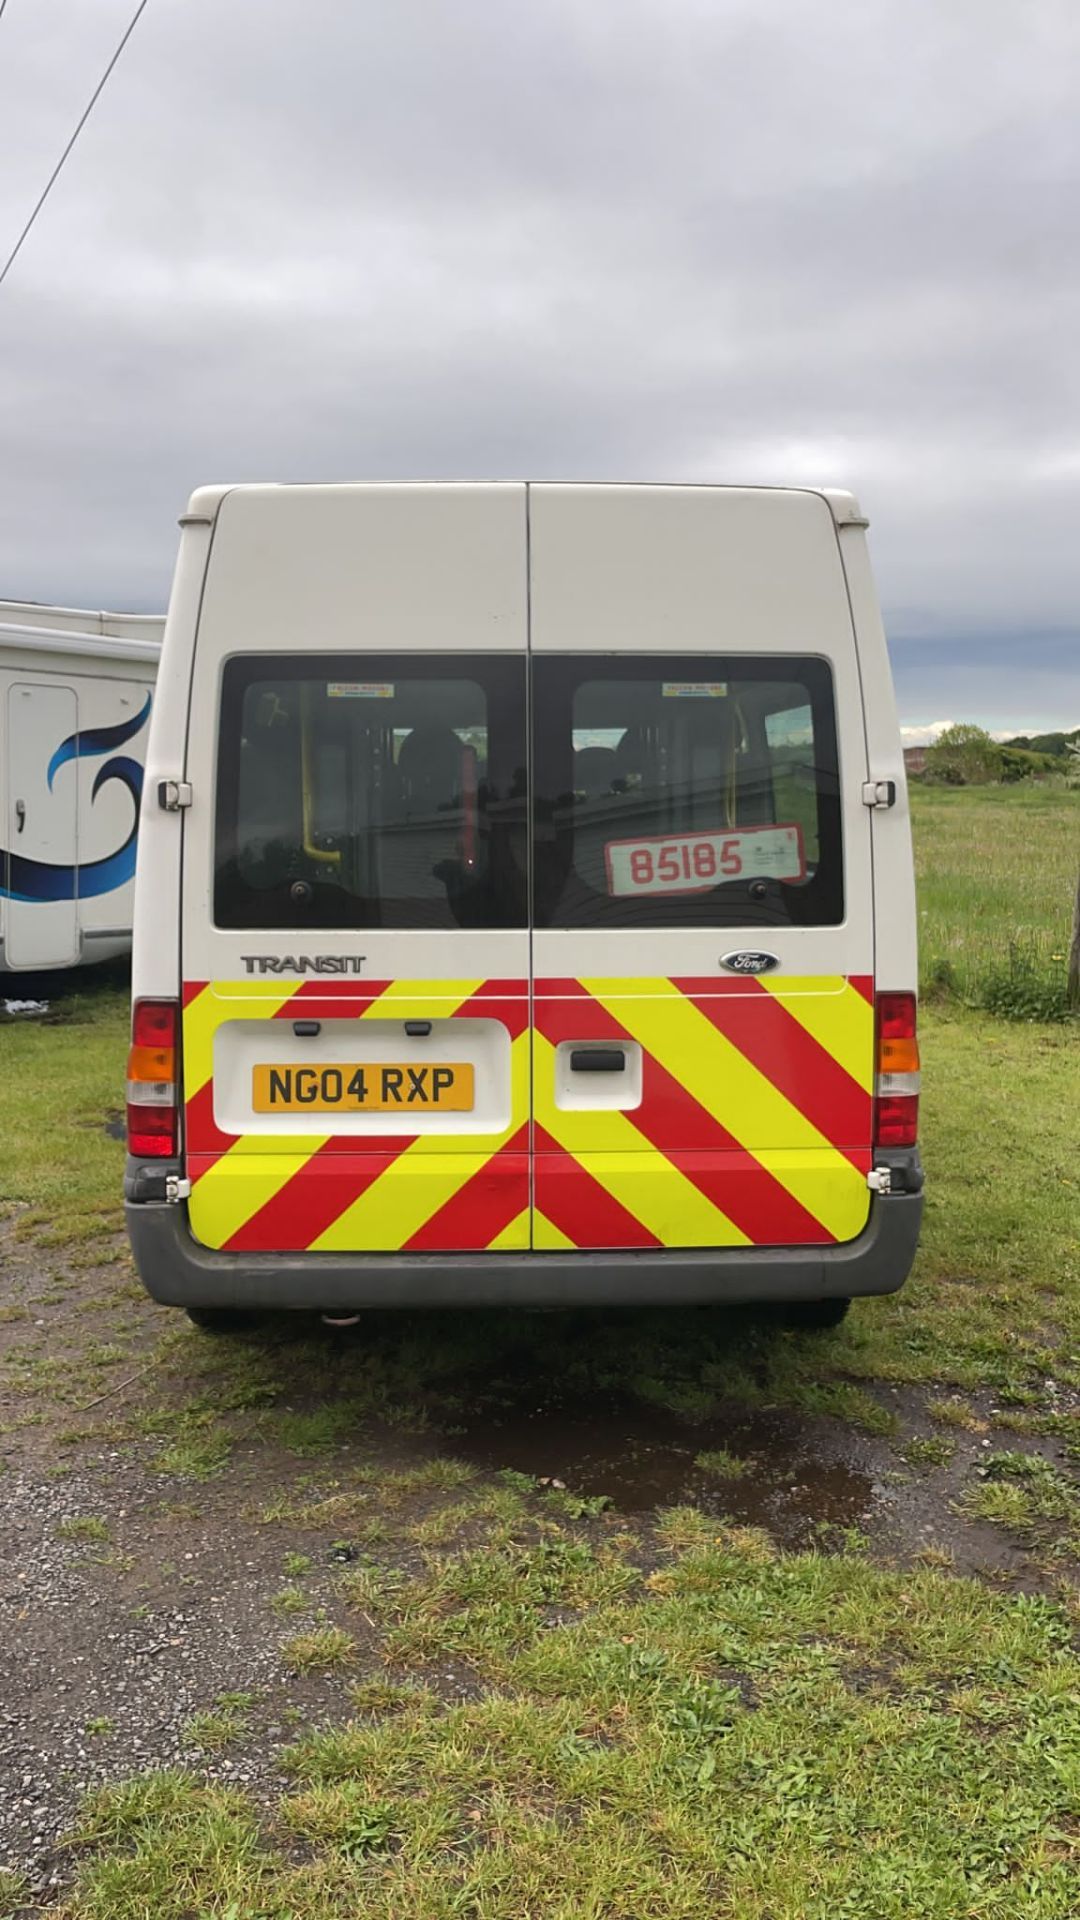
(152, 1080)
(896, 1090)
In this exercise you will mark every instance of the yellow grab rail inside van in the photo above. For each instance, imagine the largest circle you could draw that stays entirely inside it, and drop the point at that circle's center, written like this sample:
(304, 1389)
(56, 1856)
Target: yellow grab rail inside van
(330, 857)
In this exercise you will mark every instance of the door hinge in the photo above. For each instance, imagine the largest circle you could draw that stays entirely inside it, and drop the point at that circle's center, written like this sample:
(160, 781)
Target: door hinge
(879, 793)
(176, 1188)
(174, 794)
(879, 1179)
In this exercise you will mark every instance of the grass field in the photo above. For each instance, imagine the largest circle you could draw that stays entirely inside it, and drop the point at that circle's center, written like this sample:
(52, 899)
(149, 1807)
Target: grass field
(997, 870)
(727, 1735)
(540, 1709)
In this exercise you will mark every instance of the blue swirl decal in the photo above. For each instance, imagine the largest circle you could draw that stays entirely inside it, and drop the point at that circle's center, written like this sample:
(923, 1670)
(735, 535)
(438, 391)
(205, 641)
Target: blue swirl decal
(87, 746)
(38, 880)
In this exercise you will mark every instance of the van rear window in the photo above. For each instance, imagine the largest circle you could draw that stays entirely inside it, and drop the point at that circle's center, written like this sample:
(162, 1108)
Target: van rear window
(371, 791)
(685, 791)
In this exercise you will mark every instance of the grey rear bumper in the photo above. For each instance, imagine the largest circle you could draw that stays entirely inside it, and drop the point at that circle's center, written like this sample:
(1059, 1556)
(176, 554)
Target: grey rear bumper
(179, 1272)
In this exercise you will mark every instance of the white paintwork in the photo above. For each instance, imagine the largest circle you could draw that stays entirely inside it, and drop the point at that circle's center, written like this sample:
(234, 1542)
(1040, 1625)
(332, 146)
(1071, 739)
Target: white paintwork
(414, 569)
(41, 641)
(407, 568)
(139, 629)
(598, 1092)
(446, 567)
(707, 569)
(895, 917)
(72, 677)
(41, 825)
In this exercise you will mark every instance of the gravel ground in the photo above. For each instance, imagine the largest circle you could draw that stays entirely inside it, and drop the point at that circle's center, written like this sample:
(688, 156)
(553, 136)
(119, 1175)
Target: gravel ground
(111, 1648)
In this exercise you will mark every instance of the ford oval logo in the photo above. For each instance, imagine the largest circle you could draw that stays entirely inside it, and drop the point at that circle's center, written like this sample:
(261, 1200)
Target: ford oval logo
(750, 962)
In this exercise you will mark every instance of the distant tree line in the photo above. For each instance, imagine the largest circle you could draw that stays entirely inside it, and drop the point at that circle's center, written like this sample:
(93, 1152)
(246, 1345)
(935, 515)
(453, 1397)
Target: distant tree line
(967, 756)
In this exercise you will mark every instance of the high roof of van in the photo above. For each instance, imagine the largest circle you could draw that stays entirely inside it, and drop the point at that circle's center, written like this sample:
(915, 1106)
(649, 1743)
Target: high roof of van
(205, 501)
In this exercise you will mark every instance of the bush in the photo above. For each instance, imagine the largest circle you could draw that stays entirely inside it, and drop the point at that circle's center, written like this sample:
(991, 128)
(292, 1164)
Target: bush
(965, 756)
(1026, 986)
(1021, 763)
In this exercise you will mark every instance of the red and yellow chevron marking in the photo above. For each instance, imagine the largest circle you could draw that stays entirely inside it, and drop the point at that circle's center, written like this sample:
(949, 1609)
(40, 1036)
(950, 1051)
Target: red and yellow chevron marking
(256, 1192)
(754, 1124)
(753, 1127)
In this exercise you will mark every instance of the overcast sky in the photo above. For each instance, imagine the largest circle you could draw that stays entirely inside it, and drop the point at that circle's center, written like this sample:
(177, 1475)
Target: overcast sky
(676, 239)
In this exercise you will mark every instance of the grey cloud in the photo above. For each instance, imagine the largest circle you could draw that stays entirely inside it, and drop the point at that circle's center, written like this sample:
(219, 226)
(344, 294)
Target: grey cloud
(719, 239)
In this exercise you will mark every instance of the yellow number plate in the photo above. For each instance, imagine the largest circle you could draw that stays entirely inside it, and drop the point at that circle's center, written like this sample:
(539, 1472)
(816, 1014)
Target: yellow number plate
(375, 1087)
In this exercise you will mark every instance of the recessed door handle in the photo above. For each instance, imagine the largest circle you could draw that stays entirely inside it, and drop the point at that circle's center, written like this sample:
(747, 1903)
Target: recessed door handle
(20, 815)
(306, 1029)
(598, 1060)
(418, 1029)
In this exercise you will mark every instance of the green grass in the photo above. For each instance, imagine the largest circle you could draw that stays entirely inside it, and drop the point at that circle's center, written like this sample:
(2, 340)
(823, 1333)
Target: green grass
(721, 1464)
(324, 1647)
(950, 1410)
(15, 1896)
(219, 1726)
(1030, 1496)
(928, 1451)
(736, 1734)
(994, 1300)
(290, 1600)
(997, 874)
(197, 1455)
(58, 1083)
(85, 1527)
(310, 1434)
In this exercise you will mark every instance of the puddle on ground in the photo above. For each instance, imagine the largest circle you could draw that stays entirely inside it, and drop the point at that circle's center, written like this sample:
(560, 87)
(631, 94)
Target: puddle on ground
(799, 1477)
(806, 1479)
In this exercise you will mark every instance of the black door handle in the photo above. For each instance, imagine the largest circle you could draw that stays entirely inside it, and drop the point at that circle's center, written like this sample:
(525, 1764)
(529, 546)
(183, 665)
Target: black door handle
(20, 814)
(306, 1029)
(418, 1029)
(598, 1060)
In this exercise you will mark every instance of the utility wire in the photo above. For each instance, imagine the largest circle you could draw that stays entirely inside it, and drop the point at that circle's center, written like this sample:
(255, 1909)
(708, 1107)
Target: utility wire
(88, 110)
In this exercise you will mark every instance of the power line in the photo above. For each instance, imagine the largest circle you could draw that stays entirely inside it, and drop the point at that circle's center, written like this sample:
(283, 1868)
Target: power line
(88, 110)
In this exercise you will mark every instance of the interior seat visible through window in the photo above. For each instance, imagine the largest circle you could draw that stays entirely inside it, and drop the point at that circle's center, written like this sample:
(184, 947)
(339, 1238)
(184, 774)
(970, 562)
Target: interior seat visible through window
(372, 791)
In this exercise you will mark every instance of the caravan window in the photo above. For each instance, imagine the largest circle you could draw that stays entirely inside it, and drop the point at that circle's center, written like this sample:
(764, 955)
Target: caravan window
(689, 791)
(371, 792)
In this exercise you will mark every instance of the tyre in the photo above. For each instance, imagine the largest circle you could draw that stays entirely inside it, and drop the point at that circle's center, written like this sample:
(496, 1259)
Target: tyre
(222, 1319)
(817, 1313)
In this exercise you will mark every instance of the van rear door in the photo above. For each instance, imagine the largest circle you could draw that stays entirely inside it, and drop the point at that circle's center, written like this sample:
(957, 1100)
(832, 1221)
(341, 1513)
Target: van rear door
(354, 930)
(699, 751)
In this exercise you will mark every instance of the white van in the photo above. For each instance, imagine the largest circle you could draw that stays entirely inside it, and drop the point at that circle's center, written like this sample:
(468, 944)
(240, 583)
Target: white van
(525, 909)
(76, 690)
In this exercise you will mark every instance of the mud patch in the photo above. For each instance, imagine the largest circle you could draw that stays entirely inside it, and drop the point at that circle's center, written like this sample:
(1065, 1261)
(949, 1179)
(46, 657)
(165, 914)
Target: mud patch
(640, 1458)
(808, 1481)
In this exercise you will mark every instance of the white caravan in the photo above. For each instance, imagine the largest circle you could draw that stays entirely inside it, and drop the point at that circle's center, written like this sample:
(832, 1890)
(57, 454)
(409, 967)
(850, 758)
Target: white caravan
(76, 690)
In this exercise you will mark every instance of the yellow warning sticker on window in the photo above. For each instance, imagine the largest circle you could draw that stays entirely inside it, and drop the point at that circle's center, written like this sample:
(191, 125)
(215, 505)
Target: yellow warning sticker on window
(360, 689)
(694, 689)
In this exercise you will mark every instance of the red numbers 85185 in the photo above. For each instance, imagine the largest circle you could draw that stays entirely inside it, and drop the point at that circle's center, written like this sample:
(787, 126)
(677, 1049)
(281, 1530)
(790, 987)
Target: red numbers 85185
(682, 860)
